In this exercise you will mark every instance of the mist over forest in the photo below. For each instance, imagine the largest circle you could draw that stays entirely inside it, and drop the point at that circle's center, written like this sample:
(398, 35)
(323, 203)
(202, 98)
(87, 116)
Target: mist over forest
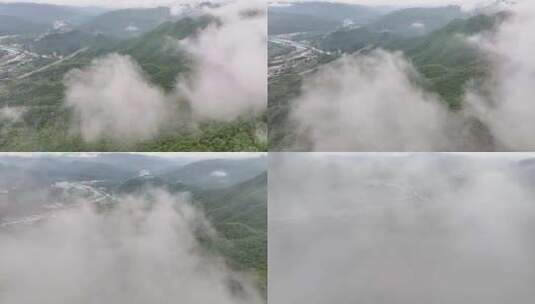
(351, 77)
(403, 228)
(159, 76)
(126, 228)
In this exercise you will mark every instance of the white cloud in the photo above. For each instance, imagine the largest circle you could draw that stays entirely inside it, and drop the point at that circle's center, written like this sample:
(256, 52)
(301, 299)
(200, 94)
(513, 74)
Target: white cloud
(137, 252)
(112, 98)
(12, 114)
(371, 103)
(504, 101)
(231, 64)
(379, 229)
(418, 25)
(218, 173)
(131, 28)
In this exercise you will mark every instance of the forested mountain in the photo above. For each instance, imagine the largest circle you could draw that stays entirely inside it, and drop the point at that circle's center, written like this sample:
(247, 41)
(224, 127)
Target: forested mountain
(435, 40)
(237, 209)
(32, 88)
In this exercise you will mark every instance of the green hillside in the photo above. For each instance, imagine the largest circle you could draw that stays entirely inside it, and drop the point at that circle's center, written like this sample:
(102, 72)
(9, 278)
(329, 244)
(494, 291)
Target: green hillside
(444, 58)
(335, 12)
(127, 23)
(201, 173)
(398, 25)
(10, 25)
(157, 52)
(65, 43)
(239, 214)
(403, 21)
(45, 123)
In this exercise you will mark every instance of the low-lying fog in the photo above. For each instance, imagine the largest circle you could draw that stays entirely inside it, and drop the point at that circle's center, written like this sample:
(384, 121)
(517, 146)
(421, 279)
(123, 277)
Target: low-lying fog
(140, 249)
(401, 228)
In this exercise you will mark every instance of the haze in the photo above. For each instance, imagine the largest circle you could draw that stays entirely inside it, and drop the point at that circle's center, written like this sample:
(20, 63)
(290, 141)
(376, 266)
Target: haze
(415, 228)
(464, 3)
(110, 4)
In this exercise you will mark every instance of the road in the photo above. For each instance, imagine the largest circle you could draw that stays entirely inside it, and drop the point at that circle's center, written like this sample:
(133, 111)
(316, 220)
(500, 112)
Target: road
(302, 59)
(41, 69)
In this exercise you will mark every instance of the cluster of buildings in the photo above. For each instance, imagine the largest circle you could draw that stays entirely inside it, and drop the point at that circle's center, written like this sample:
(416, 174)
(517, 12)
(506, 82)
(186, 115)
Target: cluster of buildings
(300, 57)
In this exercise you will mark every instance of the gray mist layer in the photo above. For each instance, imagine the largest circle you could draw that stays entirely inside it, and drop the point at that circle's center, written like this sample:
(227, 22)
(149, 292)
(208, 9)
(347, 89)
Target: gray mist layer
(385, 228)
(374, 102)
(135, 253)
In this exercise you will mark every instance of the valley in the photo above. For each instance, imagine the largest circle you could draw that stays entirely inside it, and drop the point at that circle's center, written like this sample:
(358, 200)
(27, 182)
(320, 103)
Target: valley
(293, 55)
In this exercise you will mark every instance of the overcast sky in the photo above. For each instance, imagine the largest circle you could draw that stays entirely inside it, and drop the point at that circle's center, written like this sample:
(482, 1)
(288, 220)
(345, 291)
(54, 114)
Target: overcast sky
(464, 3)
(153, 3)
(109, 3)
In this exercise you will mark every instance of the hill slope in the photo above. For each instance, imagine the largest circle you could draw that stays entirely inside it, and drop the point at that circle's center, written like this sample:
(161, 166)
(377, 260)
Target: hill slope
(239, 214)
(217, 173)
(127, 23)
(45, 124)
(10, 25)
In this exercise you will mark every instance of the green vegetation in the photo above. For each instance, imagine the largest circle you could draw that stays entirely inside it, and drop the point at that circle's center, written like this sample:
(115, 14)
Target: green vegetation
(157, 52)
(127, 23)
(66, 43)
(56, 136)
(236, 207)
(237, 210)
(445, 59)
(46, 122)
(239, 214)
(282, 90)
(332, 11)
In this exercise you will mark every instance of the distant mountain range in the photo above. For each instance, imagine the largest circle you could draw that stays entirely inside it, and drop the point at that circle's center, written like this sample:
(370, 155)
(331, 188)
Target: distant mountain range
(47, 14)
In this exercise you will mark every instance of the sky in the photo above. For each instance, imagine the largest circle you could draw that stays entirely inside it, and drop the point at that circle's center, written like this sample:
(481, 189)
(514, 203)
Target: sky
(464, 3)
(153, 3)
(108, 3)
(467, 4)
